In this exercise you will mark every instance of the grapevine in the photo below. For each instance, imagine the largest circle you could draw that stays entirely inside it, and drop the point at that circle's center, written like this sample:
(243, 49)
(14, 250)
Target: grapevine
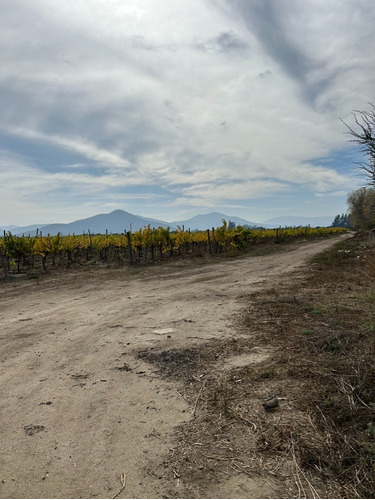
(18, 253)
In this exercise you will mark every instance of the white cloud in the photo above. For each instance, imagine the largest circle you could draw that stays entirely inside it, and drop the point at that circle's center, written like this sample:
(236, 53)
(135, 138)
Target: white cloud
(235, 190)
(77, 144)
(210, 101)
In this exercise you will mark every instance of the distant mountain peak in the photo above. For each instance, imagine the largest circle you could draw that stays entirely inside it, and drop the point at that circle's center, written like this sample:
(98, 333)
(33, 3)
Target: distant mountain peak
(212, 219)
(119, 221)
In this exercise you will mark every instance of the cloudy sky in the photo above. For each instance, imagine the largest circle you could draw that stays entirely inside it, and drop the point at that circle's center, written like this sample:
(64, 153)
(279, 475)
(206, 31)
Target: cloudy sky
(172, 108)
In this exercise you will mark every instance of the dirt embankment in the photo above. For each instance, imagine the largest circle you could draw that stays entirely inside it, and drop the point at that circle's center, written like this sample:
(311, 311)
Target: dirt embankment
(82, 408)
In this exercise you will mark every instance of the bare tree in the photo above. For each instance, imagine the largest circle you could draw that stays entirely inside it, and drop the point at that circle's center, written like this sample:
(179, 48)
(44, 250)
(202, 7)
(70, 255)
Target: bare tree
(363, 133)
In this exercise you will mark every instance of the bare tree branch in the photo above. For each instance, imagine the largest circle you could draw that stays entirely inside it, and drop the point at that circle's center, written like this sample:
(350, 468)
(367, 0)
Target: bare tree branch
(364, 135)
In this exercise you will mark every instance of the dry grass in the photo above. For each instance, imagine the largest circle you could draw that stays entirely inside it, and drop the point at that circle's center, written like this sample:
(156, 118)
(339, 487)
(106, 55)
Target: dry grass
(320, 441)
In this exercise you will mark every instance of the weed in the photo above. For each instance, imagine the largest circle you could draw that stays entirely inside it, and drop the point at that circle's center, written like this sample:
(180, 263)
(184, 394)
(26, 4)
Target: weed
(370, 430)
(369, 449)
(316, 310)
(313, 309)
(369, 327)
(370, 297)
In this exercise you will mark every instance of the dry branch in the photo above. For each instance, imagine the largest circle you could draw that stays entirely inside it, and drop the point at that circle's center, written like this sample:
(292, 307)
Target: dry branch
(123, 484)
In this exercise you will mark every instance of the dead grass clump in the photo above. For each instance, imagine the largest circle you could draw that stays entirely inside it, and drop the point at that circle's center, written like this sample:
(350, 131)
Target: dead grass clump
(326, 339)
(320, 440)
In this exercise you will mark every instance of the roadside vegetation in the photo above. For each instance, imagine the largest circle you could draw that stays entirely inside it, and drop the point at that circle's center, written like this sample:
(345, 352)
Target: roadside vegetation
(318, 331)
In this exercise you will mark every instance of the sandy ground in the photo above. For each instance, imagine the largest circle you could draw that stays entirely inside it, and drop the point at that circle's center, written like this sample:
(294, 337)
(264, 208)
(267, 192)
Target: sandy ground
(78, 407)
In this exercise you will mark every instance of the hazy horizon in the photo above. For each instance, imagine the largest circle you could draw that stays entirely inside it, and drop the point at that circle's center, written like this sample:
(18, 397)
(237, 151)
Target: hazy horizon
(232, 217)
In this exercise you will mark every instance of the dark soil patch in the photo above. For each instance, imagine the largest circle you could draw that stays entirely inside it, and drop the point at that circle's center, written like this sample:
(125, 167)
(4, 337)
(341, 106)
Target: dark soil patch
(192, 364)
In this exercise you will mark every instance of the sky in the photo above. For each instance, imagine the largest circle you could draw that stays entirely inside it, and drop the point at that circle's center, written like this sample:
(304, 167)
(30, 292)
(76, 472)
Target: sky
(173, 108)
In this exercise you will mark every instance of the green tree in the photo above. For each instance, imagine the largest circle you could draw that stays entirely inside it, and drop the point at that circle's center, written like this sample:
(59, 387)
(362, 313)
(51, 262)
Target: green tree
(362, 208)
(341, 221)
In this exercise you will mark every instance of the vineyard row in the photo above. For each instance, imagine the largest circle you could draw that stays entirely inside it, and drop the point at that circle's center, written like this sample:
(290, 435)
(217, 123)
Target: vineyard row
(19, 254)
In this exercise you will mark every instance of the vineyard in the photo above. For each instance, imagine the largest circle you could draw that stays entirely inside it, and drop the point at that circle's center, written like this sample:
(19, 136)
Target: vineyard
(25, 253)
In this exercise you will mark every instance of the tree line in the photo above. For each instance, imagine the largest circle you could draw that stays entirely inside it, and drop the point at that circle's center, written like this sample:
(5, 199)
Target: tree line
(342, 220)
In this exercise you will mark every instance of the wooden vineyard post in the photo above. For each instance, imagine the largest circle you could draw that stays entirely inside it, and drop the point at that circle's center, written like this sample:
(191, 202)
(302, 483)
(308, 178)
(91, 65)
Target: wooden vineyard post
(214, 242)
(4, 259)
(209, 241)
(5, 265)
(89, 251)
(130, 247)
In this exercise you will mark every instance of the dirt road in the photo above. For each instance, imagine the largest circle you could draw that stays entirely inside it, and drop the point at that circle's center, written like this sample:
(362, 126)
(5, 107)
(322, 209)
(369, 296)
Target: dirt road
(78, 407)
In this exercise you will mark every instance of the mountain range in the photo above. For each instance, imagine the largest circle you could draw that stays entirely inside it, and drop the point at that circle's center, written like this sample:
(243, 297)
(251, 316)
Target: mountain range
(119, 221)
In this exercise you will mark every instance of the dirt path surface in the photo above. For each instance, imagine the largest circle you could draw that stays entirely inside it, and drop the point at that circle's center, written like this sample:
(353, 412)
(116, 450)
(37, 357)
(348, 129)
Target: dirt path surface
(79, 407)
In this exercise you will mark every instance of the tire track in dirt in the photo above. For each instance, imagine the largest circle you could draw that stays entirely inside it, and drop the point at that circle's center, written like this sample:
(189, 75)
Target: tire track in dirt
(77, 406)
